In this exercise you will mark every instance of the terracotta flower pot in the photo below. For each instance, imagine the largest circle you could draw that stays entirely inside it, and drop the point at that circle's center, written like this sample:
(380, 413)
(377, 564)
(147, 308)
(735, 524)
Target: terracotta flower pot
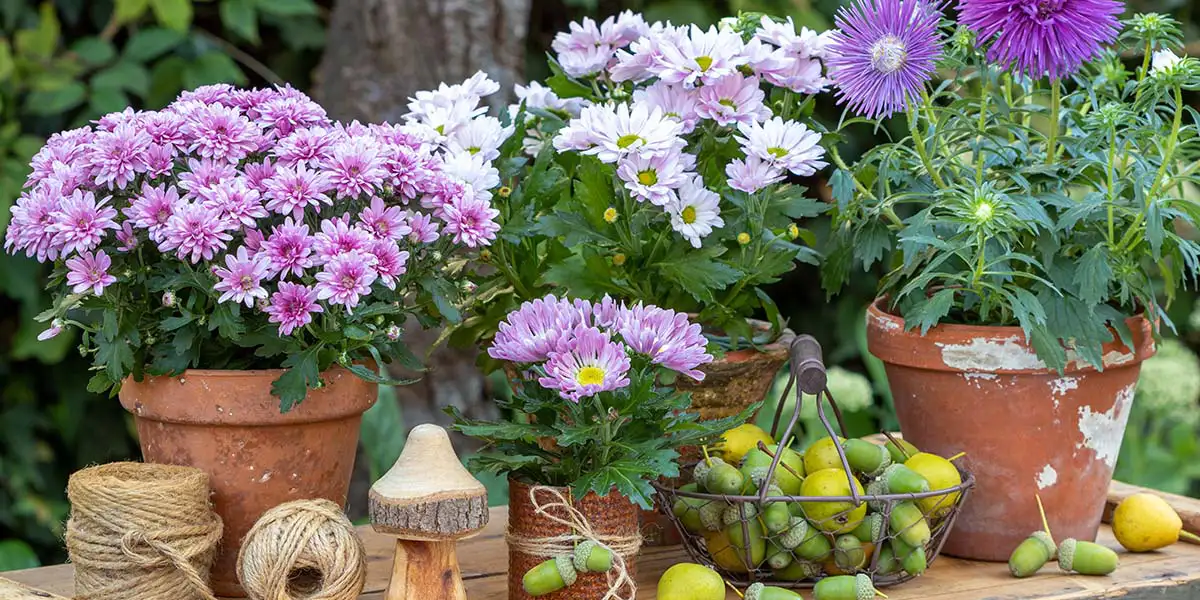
(1025, 429)
(612, 515)
(228, 424)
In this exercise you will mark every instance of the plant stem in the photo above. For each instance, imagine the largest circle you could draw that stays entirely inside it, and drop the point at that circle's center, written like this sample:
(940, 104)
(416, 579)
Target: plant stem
(1168, 156)
(1142, 72)
(1008, 99)
(1052, 139)
(841, 164)
(1112, 192)
(919, 145)
(983, 104)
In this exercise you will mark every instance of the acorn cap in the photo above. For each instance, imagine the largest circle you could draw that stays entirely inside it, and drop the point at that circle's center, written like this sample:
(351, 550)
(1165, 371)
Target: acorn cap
(712, 516)
(877, 487)
(428, 495)
(566, 569)
(863, 588)
(795, 534)
(701, 471)
(754, 591)
(739, 513)
(1046, 541)
(1066, 554)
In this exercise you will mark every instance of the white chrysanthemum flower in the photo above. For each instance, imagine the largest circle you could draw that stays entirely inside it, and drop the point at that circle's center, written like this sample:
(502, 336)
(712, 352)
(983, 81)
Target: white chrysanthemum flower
(1163, 60)
(695, 211)
(468, 93)
(482, 136)
(473, 170)
(446, 120)
(654, 178)
(805, 44)
(611, 132)
(700, 57)
(536, 95)
(676, 102)
(734, 99)
(788, 144)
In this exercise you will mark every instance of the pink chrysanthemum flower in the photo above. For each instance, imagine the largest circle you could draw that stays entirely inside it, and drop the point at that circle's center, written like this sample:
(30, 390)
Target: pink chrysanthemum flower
(31, 227)
(667, 337)
(240, 280)
(471, 221)
(286, 114)
(787, 144)
(610, 133)
(80, 221)
(126, 238)
(67, 148)
(346, 278)
(165, 129)
(390, 262)
(292, 190)
(442, 190)
(675, 101)
(202, 177)
(733, 99)
(354, 167)
(530, 333)
(213, 93)
(113, 120)
(196, 232)
(591, 363)
(159, 160)
(221, 133)
(68, 177)
(153, 208)
(338, 236)
(409, 171)
(805, 44)
(256, 174)
(384, 222)
(752, 174)
(582, 50)
(310, 145)
(289, 249)
(117, 156)
(654, 178)
(1042, 37)
(700, 57)
(249, 101)
(89, 272)
(292, 307)
(603, 314)
(239, 203)
(424, 230)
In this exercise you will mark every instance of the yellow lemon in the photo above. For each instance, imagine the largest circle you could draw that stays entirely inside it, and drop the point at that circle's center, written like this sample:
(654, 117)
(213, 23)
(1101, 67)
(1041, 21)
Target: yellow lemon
(832, 517)
(941, 474)
(822, 454)
(1145, 522)
(736, 442)
(688, 581)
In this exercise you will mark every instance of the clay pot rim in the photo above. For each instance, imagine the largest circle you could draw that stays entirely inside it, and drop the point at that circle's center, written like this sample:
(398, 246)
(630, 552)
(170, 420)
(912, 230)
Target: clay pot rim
(883, 324)
(776, 347)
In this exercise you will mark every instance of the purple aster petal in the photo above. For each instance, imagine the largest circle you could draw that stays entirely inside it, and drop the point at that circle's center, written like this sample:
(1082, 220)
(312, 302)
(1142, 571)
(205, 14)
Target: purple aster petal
(587, 363)
(292, 307)
(1042, 37)
(667, 337)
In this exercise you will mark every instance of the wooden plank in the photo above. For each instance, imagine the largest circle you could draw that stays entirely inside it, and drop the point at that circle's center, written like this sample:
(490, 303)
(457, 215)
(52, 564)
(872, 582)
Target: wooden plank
(11, 590)
(1188, 508)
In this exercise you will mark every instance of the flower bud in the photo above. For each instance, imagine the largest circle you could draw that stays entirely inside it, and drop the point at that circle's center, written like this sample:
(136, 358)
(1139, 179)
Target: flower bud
(392, 332)
(618, 259)
(504, 191)
(743, 238)
(610, 215)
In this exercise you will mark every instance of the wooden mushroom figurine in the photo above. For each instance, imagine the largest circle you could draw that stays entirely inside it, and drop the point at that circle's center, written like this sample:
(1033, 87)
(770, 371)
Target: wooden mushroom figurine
(429, 502)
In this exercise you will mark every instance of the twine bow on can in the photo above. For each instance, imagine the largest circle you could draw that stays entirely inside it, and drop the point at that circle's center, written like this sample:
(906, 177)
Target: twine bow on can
(580, 530)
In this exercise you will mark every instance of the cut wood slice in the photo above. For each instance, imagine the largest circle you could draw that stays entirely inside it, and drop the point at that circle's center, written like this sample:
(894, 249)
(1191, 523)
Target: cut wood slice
(11, 590)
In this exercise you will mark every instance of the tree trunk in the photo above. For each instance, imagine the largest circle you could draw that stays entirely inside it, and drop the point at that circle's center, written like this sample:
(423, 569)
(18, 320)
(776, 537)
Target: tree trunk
(379, 53)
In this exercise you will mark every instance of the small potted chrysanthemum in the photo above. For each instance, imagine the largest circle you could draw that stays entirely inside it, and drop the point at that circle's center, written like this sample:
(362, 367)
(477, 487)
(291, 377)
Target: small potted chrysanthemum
(1030, 215)
(592, 380)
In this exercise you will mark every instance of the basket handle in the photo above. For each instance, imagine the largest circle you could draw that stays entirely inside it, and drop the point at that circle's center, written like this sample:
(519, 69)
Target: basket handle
(808, 365)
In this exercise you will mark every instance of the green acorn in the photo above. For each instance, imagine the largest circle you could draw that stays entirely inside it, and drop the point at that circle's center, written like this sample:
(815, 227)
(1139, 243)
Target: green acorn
(761, 591)
(723, 478)
(848, 553)
(738, 532)
(1086, 558)
(740, 513)
(789, 475)
(688, 511)
(912, 558)
(887, 563)
(712, 516)
(796, 509)
(1031, 555)
(877, 487)
(754, 468)
(778, 557)
(591, 557)
(815, 546)
(799, 570)
(908, 522)
(865, 457)
(550, 576)
(701, 470)
(901, 453)
(776, 516)
(845, 587)
(871, 528)
(903, 480)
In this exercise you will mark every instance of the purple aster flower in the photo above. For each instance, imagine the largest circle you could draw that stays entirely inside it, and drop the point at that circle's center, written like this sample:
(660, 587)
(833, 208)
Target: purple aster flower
(603, 314)
(256, 174)
(196, 232)
(117, 156)
(290, 112)
(289, 249)
(292, 306)
(56, 327)
(653, 178)
(159, 160)
(202, 177)
(346, 277)
(293, 189)
(1042, 37)
(752, 174)
(238, 203)
(667, 337)
(471, 221)
(152, 209)
(589, 364)
(384, 222)
(883, 54)
(528, 335)
(31, 228)
(80, 221)
(355, 167)
(89, 272)
(241, 278)
(338, 236)
(252, 239)
(786, 144)
(424, 230)
(310, 145)
(221, 133)
(733, 99)
(675, 101)
(390, 262)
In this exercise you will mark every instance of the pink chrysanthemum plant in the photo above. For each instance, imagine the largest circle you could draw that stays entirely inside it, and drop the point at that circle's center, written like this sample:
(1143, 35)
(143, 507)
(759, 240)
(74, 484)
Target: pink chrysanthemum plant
(243, 229)
(1040, 179)
(593, 407)
(661, 164)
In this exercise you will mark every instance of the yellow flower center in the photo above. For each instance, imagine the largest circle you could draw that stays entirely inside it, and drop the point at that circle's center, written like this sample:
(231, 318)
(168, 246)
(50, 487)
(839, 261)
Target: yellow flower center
(704, 61)
(610, 215)
(689, 215)
(473, 150)
(628, 140)
(590, 376)
(743, 238)
(647, 177)
(793, 231)
(777, 151)
(727, 102)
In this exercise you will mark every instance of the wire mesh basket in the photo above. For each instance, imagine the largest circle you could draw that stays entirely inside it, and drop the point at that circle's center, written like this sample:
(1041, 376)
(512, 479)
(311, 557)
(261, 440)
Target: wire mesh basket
(883, 523)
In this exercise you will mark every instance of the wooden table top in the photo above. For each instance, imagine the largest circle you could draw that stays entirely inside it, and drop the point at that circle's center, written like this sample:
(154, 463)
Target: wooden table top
(1169, 574)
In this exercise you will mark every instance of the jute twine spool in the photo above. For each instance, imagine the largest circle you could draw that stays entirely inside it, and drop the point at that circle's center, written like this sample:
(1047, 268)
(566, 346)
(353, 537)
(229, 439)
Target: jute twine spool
(141, 531)
(306, 549)
(554, 506)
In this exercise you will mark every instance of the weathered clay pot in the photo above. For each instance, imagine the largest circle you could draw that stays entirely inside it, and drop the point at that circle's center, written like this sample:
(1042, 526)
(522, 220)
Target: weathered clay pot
(612, 515)
(738, 379)
(1025, 429)
(228, 424)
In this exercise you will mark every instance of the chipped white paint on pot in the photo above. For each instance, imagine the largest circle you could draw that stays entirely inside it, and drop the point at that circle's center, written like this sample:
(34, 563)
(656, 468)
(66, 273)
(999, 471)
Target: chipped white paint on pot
(995, 355)
(1062, 385)
(1047, 477)
(1102, 432)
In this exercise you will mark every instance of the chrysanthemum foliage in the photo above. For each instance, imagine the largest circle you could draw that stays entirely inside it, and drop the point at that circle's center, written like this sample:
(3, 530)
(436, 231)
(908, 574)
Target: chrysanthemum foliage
(1042, 190)
(660, 164)
(592, 405)
(242, 229)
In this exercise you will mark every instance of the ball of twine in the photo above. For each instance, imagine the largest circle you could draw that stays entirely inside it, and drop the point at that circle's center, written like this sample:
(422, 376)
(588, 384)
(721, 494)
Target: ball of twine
(141, 531)
(306, 549)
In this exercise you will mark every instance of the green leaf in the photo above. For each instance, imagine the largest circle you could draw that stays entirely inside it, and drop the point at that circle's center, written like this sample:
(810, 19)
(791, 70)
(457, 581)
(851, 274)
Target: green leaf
(930, 311)
(124, 75)
(105, 101)
(287, 8)
(239, 17)
(699, 273)
(165, 81)
(6, 60)
(871, 242)
(58, 101)
(94, 51)
(213, 67)
(1093, 274)
(373, 377)
(842, 183)
(150, 43)
(41, 41)
(357, 332)
(127, 11)
(303, 372)
(1068, 318)
(173, 14)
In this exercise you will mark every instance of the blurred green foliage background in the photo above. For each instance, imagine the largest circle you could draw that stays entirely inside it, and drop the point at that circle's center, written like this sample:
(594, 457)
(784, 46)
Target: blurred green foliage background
(66, 62)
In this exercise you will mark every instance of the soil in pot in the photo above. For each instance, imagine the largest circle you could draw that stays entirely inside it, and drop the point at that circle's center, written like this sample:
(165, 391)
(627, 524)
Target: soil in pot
(1026, 430)
(228, 424)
